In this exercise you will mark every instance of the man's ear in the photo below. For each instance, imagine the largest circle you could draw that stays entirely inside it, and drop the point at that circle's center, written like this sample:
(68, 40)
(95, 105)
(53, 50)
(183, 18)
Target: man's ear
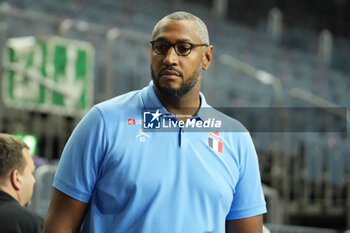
(16, 180)
(208, 54)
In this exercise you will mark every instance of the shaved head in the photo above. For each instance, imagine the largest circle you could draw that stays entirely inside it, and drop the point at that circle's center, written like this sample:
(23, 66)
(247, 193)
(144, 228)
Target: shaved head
(201, 29)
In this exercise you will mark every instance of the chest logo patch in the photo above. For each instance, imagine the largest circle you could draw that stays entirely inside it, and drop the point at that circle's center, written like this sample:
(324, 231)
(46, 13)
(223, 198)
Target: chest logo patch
(131, 122)
(142, 136)
(215, 142)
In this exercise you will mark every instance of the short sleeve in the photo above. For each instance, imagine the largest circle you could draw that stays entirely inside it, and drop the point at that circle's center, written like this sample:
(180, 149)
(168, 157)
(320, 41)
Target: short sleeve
(248, 197)
(79, 165)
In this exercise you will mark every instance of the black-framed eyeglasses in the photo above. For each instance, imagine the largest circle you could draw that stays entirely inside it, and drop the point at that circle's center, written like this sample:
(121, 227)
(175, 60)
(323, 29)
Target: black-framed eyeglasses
(182, 48)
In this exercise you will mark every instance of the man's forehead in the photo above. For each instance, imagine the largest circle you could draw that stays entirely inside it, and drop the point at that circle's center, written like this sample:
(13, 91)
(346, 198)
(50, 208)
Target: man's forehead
(187, 28)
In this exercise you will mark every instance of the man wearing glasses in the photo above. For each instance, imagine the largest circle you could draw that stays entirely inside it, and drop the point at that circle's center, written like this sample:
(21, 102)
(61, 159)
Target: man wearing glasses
(116, 176)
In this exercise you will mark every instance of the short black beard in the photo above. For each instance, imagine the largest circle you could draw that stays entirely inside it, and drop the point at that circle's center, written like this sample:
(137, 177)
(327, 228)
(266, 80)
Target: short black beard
(179, 92)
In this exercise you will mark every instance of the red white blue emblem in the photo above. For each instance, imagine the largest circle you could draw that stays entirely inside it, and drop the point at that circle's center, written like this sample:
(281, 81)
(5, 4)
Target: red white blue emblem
(215, 142)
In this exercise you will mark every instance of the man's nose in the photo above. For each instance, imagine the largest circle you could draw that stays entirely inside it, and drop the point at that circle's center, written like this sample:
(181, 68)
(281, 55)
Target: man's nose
(171, 57)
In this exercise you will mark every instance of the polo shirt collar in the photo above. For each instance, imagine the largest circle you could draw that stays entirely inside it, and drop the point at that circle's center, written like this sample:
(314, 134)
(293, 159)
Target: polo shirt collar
(150, 99)
(204, 110)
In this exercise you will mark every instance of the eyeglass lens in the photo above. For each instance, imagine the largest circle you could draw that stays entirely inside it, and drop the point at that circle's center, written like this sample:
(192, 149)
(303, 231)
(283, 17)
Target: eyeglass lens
(181, 48)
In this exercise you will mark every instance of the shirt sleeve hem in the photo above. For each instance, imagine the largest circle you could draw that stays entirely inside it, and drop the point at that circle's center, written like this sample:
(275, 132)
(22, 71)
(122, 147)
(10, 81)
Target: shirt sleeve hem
(71, 191)
(246, 213)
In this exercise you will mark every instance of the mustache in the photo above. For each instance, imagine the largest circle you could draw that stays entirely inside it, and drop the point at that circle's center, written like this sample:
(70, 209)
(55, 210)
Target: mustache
(172, 69)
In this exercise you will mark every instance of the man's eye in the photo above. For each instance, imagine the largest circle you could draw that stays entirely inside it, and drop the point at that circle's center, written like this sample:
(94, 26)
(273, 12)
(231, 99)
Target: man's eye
(162, 47)
(183, 48)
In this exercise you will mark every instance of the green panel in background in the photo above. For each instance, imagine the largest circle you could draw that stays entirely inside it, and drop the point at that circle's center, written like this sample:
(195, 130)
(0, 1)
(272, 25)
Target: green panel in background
(49, 75)
(43, 70)
(60, 60)
(81, 73)
(11, 57)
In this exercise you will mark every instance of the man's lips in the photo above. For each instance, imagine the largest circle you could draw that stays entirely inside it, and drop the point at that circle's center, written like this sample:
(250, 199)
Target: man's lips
(170, 73)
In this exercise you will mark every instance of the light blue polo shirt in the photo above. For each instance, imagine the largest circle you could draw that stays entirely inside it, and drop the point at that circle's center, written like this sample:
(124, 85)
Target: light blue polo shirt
(150, 181)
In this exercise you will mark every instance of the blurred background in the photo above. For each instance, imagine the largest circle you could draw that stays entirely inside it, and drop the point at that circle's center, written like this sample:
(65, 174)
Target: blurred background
(61, 57)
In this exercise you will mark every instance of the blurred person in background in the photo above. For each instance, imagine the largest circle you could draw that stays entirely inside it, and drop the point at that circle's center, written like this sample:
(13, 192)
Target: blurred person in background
(114, 177)
(16, 187)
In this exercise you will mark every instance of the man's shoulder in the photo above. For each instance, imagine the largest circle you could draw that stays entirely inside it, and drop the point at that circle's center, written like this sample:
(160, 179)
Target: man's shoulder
(31, 217)
(228, 123)
(126, 104)
(15, 216)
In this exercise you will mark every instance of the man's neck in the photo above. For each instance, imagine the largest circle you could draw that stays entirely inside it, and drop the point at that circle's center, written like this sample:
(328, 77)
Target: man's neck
(183, 107)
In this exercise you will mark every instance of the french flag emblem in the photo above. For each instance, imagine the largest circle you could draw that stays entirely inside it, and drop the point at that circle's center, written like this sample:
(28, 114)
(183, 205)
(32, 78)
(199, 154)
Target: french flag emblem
(216, 142)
